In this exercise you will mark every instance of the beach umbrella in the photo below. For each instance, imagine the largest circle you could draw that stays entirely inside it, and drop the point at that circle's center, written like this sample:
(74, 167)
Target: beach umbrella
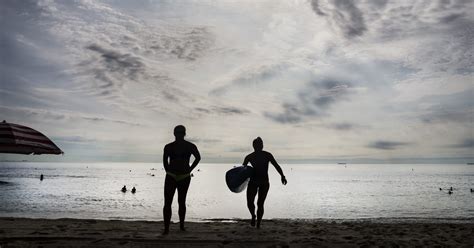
(19, 139)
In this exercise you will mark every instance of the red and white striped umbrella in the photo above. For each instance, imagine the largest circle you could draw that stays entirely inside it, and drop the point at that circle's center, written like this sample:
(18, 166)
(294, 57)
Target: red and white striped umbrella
(19, 139)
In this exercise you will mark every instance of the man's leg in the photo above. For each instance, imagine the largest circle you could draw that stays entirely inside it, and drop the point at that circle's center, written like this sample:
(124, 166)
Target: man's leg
(170, 187)
(251, 193)
(183, 187)
(262, 195)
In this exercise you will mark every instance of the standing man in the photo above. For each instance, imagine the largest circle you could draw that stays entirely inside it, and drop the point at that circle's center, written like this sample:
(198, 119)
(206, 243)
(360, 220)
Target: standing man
(176, 156)
(259, 180)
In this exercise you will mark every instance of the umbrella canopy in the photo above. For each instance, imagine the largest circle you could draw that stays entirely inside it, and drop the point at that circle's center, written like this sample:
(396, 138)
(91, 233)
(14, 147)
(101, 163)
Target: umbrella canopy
(19, 139)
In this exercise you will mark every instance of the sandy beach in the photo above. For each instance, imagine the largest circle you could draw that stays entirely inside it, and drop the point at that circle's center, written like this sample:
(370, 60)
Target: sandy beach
(22, 232)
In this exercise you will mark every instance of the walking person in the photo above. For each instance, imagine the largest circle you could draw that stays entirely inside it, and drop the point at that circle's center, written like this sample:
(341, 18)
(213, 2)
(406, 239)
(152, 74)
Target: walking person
(176, 156)
(259, 180)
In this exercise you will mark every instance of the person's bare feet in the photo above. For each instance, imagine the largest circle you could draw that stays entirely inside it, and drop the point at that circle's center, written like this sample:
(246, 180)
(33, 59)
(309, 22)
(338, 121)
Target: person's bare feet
(181, 227)
(252, 222)
(165, 232)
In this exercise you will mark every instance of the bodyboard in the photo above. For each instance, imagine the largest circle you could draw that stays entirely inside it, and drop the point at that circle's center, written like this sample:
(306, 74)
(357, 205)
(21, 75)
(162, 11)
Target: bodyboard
(238, 177)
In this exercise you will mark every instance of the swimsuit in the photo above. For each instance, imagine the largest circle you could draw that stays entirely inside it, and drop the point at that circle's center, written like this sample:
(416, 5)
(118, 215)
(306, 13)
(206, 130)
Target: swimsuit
(178, 177)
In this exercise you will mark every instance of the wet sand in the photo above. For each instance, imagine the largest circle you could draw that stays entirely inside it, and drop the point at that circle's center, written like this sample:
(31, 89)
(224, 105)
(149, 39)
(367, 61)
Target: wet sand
(22, 232)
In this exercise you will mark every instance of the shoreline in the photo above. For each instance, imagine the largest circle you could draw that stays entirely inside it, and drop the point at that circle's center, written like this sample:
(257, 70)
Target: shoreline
(381, 220)
(20, 232)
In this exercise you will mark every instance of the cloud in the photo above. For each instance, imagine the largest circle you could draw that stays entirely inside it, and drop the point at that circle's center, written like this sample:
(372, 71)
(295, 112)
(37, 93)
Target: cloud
(316, 7)
(343, 126)
(192, 44)
(115, 62)
(343, 14)
(466, 143)
(241, 149)
(313, 101)
(450, 18)
(203, 140)
(457, 107)
(444, 116)
(114, 56)
(101, 119)
(112, 70)
(387, 145)
(112, 66)
(30, 52)
(222, 110)
(73, 139)
(250, 75)
(61, 115)
(424, 30)
(231, 110)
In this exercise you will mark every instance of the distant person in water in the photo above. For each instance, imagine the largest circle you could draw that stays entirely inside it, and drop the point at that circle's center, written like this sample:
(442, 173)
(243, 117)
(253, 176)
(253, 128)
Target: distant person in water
(124, 189)
(134, 190)
(259, 180)
(41, 177)
(176, 156)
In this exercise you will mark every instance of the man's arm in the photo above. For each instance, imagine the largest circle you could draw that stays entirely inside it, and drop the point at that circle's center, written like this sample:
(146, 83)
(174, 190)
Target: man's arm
(165, 158)
(278, 168)
(197, 158)
(246, 160)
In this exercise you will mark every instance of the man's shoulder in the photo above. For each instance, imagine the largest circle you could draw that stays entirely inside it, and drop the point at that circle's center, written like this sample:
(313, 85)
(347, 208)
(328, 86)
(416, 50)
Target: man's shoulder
(190, 144)
(169, 145)
(267, 154)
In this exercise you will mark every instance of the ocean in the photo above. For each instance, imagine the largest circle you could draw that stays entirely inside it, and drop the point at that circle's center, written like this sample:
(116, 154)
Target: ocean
(314, 191)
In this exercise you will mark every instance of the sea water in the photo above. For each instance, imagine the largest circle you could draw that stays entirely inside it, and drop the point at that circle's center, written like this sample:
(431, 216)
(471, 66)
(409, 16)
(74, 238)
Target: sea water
(314, 191)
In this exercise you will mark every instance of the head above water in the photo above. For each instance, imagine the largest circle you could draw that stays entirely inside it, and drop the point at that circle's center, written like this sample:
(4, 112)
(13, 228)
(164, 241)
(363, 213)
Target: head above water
(179, 132)
(258, 144)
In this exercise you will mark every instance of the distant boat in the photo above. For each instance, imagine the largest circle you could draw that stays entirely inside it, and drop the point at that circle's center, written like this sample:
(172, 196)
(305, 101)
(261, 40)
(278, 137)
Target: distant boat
(470, 163)
(341, 163)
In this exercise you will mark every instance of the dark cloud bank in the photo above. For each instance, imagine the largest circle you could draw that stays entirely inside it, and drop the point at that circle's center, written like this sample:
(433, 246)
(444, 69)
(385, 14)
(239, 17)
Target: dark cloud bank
(466, 143)
(387, 145)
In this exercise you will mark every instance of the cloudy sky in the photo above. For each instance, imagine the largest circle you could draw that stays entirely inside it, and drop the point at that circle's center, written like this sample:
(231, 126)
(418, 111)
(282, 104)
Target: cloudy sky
(361, 81)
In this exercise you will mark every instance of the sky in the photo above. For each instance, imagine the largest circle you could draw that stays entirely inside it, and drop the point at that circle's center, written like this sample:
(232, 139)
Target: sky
(319, 81)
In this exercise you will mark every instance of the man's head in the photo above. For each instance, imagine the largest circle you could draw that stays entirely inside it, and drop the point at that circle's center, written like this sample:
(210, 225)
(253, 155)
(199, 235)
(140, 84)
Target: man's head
(179, 132)
(258, 144)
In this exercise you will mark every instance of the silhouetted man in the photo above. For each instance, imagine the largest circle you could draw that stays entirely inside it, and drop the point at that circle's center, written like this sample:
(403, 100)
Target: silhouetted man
(259, 179)
(176, 157)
